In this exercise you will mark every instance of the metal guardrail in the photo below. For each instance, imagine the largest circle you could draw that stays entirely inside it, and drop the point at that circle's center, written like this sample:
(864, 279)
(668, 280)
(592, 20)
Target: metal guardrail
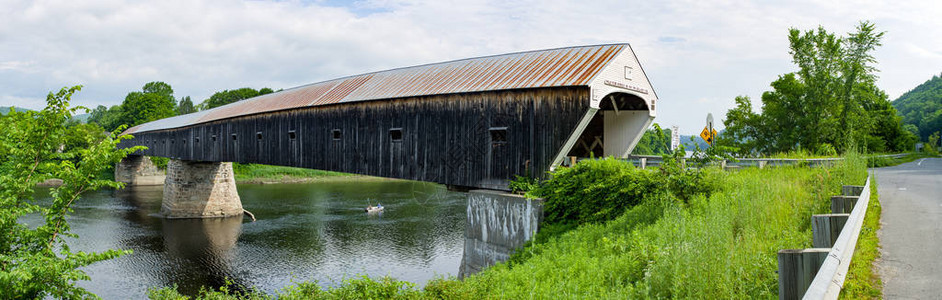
(644, 161)
(819, 272)
(829, 281)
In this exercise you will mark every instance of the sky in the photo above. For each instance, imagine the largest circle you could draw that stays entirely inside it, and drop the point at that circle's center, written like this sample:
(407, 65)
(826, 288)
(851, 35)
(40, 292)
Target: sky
(698, 54)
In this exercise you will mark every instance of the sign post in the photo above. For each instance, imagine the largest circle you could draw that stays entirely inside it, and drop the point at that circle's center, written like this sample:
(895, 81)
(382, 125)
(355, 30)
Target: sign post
(675, 138)
(710, 121)
(708, 134)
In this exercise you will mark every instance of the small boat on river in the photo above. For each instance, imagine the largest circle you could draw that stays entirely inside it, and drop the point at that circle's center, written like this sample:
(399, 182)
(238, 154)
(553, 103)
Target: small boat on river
(374, 209)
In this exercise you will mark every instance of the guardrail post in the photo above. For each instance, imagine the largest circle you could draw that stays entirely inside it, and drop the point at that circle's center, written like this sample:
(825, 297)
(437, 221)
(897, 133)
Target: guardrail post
(723, 164)
(796, 270)
(762, 164)
(843, 204)
(826, 228)
(829, 280)
(644, 162)
(852, 190)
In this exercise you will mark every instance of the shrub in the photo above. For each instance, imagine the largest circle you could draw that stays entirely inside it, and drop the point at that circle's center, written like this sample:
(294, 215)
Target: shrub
(594, 191)
(35, 260)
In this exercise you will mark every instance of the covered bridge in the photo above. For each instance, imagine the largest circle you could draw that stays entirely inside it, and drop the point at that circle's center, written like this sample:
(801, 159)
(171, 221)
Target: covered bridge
(473, 122)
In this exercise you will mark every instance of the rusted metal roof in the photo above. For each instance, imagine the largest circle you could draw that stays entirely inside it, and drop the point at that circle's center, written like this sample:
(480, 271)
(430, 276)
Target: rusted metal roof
(573, 66)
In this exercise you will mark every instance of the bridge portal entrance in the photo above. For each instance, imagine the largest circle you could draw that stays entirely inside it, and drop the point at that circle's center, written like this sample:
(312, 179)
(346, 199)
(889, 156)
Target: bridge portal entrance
(613, 129)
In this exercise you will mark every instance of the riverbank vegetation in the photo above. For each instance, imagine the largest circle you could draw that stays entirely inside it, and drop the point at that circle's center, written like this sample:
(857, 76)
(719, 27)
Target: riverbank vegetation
(156, 101)
(623, 232)
(255, 173)
(35, 260)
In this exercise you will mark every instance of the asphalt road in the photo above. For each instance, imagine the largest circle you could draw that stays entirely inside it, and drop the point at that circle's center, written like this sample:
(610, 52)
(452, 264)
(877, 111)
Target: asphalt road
(911, 236)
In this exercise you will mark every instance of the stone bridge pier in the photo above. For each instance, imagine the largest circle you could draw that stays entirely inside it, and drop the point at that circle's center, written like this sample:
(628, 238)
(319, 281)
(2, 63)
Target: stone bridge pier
(200, 190)
(135, 170)
(192, 189)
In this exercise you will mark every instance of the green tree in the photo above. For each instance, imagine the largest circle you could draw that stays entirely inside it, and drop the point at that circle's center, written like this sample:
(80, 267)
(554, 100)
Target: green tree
(107, 118)
(185, 106)
(159, 88)
(744, 130)
(154, 102)
(831, 101)
(82, 136)
(231, 96)
(35, 260)
(932, 145)
(654, 141)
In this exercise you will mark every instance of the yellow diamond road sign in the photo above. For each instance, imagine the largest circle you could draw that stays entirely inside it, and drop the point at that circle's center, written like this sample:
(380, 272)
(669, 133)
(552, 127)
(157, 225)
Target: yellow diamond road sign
(707, 135)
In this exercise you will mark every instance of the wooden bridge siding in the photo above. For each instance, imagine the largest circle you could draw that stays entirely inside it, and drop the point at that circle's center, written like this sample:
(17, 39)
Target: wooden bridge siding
(445, 138)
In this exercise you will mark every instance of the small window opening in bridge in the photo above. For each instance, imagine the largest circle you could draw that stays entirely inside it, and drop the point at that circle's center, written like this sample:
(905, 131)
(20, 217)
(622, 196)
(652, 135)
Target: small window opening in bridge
(184, 141)
(292, 135)
(590, 142)
(395, 134)
(234, 137)
(171, 142)
(197, 140)
(214, 138)
(163, 142)
(336, 134)
(258, 135)
(498, 135)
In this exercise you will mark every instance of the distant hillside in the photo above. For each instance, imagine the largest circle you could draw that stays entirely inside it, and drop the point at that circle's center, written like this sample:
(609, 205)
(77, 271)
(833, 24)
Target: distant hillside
(689, 145)
(922, 107)
(81, 118)
(6, 109)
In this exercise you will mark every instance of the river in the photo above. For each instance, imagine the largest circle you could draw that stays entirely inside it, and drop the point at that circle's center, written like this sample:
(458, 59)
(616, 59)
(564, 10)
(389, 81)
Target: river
(304, 232)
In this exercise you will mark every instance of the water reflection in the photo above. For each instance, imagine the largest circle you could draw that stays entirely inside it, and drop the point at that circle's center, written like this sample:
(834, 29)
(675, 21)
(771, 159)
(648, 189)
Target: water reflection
(142, 201)
(315, 231)
(204, 248)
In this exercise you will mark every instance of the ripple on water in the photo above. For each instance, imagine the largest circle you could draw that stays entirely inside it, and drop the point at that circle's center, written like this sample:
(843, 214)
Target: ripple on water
(304, 232)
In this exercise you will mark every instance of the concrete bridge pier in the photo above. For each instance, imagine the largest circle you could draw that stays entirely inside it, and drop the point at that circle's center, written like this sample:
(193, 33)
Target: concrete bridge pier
(200, 190)
(137, 170)
(498, 223)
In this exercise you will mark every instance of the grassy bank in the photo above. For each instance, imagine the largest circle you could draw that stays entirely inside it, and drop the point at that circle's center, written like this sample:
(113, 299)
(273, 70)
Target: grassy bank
(665, 233)
(254, 173)
(862, 281)
(721, 246)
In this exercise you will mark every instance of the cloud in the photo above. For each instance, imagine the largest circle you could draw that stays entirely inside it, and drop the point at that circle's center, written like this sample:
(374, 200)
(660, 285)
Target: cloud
(671, 39)
(691, 49)
(23, 102)
(20, 66)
